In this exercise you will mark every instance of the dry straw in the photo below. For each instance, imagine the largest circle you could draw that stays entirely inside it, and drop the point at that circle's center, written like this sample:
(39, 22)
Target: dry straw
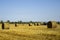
(30, 24)
(5, 25)
(52, 24)
(15, 25)
(36, 24)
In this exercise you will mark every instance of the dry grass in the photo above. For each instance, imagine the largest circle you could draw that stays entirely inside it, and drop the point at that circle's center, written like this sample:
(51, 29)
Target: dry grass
(30, 33)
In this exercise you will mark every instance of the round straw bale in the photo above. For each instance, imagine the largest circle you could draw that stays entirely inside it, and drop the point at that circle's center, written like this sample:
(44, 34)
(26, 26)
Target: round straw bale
(2, 25)
(15, 25)
(42, 23)
(35, 24)
(38, 24)
(30, 24)
(5, 25)
(51, 24)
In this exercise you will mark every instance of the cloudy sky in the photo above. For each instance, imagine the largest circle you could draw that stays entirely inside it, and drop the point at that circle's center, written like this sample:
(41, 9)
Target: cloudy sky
(30, 10)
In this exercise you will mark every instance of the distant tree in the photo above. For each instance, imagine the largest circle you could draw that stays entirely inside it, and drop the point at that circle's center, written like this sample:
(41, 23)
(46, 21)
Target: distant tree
(1, 21)
(58, 22)
(30, 21)
(44, 23)
(19, 21)
(8, 21)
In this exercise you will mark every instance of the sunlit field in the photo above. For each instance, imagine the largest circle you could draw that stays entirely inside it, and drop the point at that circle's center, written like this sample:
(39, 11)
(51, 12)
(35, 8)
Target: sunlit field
(29, 19)
(25, 32)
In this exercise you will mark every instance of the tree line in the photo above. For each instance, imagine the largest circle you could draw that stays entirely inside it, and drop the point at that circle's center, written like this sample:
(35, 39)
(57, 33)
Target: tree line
(43, 23)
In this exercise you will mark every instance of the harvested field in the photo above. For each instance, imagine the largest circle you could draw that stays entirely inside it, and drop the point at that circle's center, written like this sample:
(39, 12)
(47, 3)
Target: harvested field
(30, 33)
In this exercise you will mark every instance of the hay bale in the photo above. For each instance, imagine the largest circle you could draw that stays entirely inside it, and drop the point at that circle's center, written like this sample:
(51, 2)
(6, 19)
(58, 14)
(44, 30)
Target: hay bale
(51, 24)
(38, 24)
(2, 25)
(30, 24)
(35, 24)
(41, 23)
(15, 25)
(5, 25)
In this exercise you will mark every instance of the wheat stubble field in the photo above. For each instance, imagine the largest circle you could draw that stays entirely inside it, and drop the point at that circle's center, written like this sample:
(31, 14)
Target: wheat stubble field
(30, 33)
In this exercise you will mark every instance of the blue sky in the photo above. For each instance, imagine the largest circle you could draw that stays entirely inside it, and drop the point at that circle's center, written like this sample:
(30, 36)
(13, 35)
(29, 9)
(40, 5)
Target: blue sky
(30, 10)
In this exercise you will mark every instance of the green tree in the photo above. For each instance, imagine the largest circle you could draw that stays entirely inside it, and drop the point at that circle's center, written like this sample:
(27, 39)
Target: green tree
(1, 21)
(8, 21)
